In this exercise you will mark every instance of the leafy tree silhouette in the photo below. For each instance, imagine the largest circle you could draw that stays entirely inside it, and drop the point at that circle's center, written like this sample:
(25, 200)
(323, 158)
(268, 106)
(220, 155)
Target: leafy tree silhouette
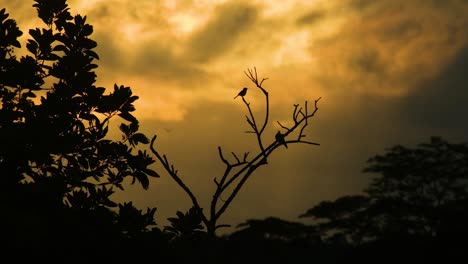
(59, 168)
(273, 240)
(237, 172)
(187, 226)
(418, 201)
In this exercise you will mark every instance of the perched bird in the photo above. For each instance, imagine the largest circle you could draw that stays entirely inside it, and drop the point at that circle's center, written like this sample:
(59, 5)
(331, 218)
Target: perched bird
(280, 138)
(242, 93)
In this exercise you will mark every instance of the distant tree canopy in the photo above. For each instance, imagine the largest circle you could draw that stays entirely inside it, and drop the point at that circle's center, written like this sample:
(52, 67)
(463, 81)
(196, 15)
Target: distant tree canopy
(58, 167)
(273, 228)
(420, 192)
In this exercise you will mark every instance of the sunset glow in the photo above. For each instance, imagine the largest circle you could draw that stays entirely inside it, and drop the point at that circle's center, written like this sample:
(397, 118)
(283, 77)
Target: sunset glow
(387, 72)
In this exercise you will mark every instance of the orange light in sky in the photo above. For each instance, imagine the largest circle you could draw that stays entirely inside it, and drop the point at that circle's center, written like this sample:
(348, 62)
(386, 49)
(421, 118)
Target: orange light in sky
(185, 60)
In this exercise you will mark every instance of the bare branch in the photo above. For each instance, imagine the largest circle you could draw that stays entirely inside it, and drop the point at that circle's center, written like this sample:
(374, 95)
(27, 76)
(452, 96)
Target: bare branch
(264, 79)
(282, 125)
(221, 226)
(253, 76)
(304, 142)
(178, 180)
(221, 156)
(245, 156)
(235, 156)
(294, 116)
(251, 123)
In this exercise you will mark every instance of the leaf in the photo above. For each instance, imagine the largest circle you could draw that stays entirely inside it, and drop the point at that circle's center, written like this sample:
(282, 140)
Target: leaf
(180, 214)
(134, 127)
(87, 30)
(35, 33)
(86, 116)
(92, 54)
(142, 178)
(140, 137)
(51, 57)
(79, 20)
(88, 43)
(151, 173)
(124, 128)
(103, 132)
(3, 16)
(60, 48)
(109, 203)
(30, 94)
(173, 220)
(127, 116)
(16, 44)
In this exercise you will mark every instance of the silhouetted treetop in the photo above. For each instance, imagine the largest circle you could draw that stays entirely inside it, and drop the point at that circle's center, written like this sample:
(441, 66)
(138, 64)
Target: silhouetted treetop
(58, 165)
(433, 173)
(273, 228)
(341, 207)
(419, 192)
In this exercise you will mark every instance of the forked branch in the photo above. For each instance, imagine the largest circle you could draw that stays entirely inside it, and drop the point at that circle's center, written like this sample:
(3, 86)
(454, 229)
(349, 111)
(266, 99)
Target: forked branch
(239, 168)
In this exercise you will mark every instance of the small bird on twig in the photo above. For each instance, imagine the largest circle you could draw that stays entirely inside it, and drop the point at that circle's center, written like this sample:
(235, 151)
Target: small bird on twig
(242, 93)
(280, 138)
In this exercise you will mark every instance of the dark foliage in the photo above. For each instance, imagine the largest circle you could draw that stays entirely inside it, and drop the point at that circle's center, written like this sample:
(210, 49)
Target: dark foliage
(58, 168)
(417, 205)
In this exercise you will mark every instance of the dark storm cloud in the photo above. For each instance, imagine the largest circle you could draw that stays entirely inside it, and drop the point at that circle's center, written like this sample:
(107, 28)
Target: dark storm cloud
(362, 4)
(100, 11)
(110, 55)
(160, 62)
(311, 17)
(153, 57)
(440, 104)
(389, 47)
(368, 61)
(222, 31)
(405, 29)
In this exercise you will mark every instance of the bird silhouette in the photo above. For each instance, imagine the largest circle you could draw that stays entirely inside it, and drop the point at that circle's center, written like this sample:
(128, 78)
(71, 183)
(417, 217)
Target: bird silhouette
(242, 93)
(280, 138)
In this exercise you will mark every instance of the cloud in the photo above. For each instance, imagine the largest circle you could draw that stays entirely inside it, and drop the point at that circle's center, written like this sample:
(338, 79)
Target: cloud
(221, 32)
(389, 47)
(438, 106)
(311, 17)
(361, 4)
(158, 61)
(141, 42)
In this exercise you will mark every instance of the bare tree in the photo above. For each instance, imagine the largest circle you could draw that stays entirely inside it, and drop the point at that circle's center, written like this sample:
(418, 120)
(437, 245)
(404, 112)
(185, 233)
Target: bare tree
(232, 181)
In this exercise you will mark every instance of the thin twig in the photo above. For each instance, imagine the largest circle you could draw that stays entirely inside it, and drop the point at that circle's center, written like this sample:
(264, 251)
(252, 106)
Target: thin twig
(178, 180)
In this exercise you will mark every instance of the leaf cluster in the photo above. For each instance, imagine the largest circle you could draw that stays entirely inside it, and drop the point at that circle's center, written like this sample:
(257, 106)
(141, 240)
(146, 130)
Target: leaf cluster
(54, 123)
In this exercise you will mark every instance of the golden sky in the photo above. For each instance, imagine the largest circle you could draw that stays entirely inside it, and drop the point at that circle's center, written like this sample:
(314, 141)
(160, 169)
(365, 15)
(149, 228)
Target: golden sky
(389, 72)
